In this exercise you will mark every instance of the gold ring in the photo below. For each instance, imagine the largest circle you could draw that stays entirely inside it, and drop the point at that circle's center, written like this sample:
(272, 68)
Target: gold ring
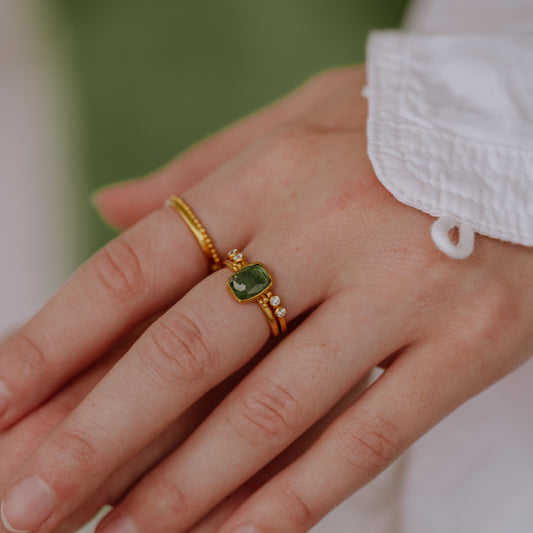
(198, 230)
(252, 282)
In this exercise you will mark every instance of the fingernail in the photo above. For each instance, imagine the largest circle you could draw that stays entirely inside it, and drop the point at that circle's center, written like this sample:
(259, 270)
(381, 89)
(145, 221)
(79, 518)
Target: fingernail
(94, 200)
(118, 523)
(5, 397)
(27, 505)
(247, 528)
(94, 196)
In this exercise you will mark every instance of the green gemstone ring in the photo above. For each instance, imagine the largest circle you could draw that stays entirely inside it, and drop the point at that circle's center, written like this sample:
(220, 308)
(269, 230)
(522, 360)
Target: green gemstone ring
(252, 282)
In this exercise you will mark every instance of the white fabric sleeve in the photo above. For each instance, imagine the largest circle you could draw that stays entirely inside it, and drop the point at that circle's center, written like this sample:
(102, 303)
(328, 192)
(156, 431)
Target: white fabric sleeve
(450, 129)
(468, 16)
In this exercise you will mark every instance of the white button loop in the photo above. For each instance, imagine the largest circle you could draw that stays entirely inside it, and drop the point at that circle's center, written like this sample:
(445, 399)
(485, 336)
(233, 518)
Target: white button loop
(440, 232)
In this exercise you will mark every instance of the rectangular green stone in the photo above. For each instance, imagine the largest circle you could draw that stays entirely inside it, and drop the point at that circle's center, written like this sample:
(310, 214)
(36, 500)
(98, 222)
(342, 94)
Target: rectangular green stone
(249, 282)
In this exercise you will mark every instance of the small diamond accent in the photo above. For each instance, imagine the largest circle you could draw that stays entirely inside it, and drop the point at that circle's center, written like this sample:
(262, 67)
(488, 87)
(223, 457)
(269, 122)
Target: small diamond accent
(281, 312)
(275, 300)
(232, 252)
(238, 257)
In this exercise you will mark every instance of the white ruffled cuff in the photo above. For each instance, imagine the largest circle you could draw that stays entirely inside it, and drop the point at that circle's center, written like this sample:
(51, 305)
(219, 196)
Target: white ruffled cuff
(450, 130)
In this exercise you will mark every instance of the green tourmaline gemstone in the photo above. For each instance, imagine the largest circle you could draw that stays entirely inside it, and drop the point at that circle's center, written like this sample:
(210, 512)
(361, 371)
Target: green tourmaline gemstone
(249, 281)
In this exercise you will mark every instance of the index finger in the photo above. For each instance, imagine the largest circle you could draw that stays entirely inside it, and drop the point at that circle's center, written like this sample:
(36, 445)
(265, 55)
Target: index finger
(141, 272)
(125, 203)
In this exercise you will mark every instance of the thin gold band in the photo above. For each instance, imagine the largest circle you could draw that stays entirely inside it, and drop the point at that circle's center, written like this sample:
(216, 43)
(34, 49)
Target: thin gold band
(198, 230)
(267, 300)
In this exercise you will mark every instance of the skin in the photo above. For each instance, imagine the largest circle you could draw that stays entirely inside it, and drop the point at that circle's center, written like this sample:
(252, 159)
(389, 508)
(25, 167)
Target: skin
(289, 437)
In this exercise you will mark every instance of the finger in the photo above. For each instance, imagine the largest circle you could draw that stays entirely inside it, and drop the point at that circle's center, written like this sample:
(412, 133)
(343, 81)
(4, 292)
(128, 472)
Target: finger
(20, 442)
(139, 273)
(26, 436)
(400, 407)
(297, 384)
(125, 203)
(120, 482)
(113, 488)
(203, 339)
(217, 516)
(212, 521)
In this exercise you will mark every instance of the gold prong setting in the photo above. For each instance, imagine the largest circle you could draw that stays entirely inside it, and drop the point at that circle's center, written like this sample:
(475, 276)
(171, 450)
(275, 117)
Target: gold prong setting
(253, 282)
(275, 301)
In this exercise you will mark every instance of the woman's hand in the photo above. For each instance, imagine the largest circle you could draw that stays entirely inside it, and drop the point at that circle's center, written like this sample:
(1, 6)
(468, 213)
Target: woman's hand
(123, 205)
(304, 200)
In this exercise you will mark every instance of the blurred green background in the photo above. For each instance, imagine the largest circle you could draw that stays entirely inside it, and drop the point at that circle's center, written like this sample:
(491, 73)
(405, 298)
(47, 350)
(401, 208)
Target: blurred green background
(154, 77)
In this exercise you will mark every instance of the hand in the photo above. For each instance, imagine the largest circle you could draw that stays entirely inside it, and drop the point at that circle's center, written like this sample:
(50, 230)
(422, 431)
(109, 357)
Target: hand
(124, 205)
(303, 199)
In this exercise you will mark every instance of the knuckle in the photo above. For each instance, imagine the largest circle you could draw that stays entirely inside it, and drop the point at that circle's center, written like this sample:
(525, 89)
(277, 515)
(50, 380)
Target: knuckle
(269, 413)
(497, 311)
(31, 355)
(172, 499)
(488, 316)
(79, 452)
(286, 147)
(298, 140)
(489, 323)
(301, 516)
(119, 271)
(368, 443)
(181, 350)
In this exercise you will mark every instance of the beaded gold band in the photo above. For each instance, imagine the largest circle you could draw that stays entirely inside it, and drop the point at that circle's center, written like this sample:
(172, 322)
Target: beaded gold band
(252, 282)
(198, 230)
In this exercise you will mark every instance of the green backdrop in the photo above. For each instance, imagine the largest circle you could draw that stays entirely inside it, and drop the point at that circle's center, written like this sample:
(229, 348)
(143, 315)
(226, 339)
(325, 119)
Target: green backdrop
(154, 76)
